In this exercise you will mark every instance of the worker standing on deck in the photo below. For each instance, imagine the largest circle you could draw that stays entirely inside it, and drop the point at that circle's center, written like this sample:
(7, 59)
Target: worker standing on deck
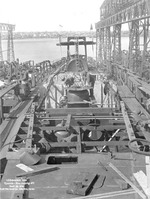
(106, 87)
(91, 81)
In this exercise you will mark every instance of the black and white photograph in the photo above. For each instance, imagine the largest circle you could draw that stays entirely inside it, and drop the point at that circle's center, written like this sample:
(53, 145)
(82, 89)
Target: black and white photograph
(75, 99)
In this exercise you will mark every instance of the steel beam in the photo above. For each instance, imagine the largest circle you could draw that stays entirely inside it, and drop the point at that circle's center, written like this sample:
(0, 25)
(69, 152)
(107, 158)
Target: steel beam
(117, 43)
(10, 136)
(115, 12)
(101, 51)
(30, 127)
(145, 65)
(134, 48)
(89, 143)
(73, 111)
(6, 27)
(97, 46)
(1, 52)
(108, 44)
(1, 110)
(130, 131)
(10, 46)
(108, 127)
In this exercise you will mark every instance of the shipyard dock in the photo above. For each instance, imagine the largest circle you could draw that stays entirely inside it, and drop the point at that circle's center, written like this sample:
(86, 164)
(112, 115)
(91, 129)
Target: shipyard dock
(64, 135)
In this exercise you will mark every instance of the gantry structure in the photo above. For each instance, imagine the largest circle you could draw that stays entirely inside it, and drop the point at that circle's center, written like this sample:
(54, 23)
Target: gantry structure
(113, 15)
(129, 68)
(10, 46)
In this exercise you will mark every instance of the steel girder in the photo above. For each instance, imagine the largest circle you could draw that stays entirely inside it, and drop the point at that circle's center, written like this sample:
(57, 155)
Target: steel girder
(98, 46)
(1, 52)
(122, 11)
(101, 46)
(103, 37)
(116, 52)
(107, 44)
(10, 51)
(6, 27)
(10, 46)
(145, 65)
(107, 47)
(134, 48)
(139, 47)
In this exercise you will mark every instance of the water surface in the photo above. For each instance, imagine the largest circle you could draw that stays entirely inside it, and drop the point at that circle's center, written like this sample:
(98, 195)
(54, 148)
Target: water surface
(46, 49)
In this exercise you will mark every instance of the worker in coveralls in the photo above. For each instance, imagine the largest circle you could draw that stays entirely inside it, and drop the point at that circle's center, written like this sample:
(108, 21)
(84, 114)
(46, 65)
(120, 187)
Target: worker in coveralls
(106, 87)
(91, 81)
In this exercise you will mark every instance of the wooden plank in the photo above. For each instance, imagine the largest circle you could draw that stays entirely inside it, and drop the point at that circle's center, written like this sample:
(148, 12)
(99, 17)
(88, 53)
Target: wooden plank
(37, 172)
(73, 111)
(112, 194)
(128, 181)
(125, 92)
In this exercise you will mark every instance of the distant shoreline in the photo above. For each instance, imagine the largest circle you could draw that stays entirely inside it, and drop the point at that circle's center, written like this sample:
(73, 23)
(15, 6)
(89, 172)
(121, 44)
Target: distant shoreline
(54, 35)
(50, 37)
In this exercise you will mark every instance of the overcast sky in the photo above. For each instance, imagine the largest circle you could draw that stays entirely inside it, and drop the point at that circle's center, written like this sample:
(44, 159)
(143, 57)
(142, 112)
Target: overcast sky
(48, 15)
